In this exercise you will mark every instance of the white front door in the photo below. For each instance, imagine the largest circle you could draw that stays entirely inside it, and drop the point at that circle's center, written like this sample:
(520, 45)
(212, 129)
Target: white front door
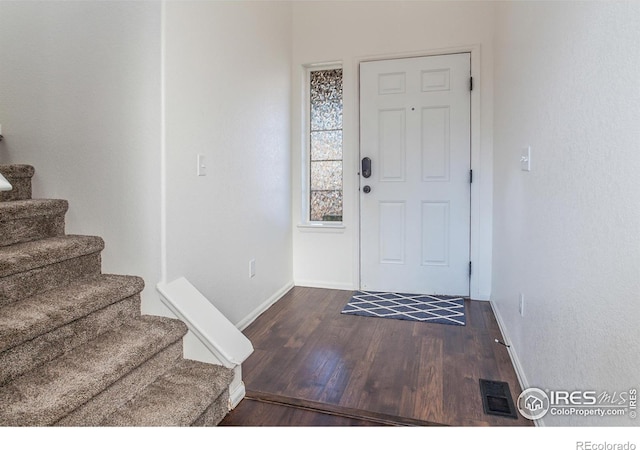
(415, 205)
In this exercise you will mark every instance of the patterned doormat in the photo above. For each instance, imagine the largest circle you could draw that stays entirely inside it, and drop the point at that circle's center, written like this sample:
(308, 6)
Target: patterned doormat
(422, 308)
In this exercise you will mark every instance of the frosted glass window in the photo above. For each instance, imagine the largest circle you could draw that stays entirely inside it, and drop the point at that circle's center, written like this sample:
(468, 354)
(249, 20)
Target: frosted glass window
(326, 206)
(326, 176)
(325, 142)
(326, 145)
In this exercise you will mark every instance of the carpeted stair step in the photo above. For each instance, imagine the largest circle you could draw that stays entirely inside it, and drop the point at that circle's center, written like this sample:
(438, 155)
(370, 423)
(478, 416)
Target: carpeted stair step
(179, 398)
(40, 328)
(32, 267)
(215, 412)
(92, 413)
(19, 175)
(30, 220)
(47, 394)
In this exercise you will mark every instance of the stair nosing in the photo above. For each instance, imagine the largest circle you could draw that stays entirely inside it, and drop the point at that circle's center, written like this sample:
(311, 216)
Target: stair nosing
(34, 252)
(28, 208)
(17, 170)
(107, 285)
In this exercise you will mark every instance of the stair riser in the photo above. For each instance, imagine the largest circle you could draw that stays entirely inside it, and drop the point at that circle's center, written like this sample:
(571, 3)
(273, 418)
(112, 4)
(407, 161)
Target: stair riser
(45, 395)
(46, 347)
(21, 190)
(101, 406)
(187, 392)
(215, 412)
(31, 229)
(19, 175)
(42, 279)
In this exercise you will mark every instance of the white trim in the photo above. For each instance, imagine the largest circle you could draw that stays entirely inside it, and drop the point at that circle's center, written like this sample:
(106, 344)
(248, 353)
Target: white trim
(476, 147)
(220, 337)
(522, 379)
(305, 207)
(323, 65)
(253, 315)
(326, 285)
(515, 361)
(321, 227)
(163, 143)
(236, 395)
(4, 184)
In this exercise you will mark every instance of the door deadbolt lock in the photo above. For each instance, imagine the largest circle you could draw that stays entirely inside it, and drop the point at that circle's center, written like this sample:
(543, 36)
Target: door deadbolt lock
(366, 189)
(366, 167)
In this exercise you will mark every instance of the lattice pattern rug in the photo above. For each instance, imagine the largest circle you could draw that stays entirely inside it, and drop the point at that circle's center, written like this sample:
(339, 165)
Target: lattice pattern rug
(418, 307)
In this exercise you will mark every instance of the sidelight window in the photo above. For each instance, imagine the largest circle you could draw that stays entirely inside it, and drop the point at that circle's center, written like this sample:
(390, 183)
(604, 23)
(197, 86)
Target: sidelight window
(325, 145)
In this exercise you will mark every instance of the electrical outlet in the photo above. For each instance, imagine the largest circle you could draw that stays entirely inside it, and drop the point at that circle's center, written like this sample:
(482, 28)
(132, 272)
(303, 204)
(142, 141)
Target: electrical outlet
(521, 304)
(252, 268)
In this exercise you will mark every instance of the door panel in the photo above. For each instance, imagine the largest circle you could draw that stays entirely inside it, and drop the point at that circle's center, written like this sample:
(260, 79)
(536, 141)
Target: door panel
(392, 232)
(435, 144)
(415, 219)
(435, 233)
(392, 129)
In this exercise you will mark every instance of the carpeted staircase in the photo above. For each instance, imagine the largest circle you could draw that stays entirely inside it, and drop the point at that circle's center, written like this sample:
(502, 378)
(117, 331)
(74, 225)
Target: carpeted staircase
(74, 349)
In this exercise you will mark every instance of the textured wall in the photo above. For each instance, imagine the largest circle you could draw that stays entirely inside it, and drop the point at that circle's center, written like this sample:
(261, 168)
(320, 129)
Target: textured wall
(80, 101)
(566, 234)
(227, 69)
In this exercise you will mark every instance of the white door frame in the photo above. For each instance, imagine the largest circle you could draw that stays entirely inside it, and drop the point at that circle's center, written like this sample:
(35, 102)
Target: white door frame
(474, 284)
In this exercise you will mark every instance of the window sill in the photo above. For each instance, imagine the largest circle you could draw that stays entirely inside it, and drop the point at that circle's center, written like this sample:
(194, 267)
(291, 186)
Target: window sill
(322, 227)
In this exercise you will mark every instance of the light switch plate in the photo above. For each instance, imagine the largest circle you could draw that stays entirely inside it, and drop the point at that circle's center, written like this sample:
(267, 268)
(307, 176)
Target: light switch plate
(202, 167)
(525, 159)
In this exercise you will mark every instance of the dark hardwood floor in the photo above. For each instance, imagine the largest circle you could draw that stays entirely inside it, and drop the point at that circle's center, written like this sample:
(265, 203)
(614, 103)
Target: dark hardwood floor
(311, 360)
(254, 413)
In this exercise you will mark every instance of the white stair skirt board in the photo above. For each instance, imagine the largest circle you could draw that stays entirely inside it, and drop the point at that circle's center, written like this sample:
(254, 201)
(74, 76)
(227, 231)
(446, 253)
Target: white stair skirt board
(4, 184)
(212, 338)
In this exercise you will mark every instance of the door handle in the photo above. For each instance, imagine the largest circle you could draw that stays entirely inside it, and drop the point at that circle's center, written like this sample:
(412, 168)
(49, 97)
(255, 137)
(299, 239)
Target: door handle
(366, 167)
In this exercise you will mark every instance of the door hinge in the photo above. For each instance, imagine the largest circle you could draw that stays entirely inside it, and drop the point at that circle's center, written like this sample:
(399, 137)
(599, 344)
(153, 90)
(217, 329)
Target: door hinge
(471, 83)
(469, 269)
(471, 176)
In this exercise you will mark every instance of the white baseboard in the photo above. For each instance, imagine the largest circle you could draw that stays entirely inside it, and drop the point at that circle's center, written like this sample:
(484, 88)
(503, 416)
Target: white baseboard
(253, 315)
(522, 378)
(325, 285)
(236, 395)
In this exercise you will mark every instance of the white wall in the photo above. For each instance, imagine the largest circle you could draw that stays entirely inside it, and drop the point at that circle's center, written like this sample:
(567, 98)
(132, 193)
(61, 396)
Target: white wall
(349, 31)
(227, 75)
(80, 91)
(566, 234)
(80, 101)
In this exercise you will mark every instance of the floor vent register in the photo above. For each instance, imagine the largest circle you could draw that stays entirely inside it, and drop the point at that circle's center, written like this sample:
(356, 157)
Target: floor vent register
(496, 399)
